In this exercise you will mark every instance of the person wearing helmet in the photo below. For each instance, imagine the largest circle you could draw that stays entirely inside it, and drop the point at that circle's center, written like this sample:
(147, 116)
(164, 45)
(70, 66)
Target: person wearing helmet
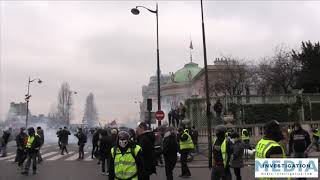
(32, 148)
(221, 153)
(126, 159)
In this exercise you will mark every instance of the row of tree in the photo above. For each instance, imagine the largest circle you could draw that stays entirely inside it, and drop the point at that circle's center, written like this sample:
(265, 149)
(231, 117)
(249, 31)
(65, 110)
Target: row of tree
(282, 73)
(63, 111)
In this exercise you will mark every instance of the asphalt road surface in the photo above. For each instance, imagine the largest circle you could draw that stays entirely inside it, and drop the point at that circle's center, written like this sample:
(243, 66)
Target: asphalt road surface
(67, 167)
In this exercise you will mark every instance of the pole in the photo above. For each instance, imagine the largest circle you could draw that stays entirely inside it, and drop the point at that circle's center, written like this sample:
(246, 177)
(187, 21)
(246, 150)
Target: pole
(27, 99)
(158, 64)
(207, 89)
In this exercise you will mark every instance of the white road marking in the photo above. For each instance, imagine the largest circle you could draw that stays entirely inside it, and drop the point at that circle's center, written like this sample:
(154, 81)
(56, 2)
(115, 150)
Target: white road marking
(88, 158)
(7, 157)
(59, 156)
(74, 157)
(48, 154)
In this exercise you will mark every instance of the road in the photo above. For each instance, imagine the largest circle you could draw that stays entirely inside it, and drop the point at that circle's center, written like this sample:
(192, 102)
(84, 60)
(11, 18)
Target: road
(67, 167)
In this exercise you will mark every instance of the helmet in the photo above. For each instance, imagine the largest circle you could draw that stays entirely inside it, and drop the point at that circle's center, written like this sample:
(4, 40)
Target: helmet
(273, 130)
(123, 138)
(220, 129)
(123, 135)
(31, 131)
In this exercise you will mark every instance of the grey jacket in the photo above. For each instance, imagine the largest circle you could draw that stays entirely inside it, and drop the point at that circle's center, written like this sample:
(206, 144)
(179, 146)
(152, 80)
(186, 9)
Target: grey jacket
(237, 156)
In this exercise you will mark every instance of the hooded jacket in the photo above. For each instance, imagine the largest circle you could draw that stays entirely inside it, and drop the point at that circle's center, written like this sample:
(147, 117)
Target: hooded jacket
(146, 140)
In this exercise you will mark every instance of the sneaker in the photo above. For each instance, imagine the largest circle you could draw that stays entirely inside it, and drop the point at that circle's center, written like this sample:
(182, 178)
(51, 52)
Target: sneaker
(107, 173)
(103, 173)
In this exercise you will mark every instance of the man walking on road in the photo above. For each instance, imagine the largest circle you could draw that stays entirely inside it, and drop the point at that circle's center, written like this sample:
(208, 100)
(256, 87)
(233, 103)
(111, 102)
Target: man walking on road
(32, 148)
(170, 150)
(82, 139)
(64, 140)
(5, 138)
(41, 134)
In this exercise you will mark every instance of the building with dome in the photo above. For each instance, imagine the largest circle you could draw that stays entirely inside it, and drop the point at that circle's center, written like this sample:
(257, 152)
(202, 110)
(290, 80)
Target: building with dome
(179, 87)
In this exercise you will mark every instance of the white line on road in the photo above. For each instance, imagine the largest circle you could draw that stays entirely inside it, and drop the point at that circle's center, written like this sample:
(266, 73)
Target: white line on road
(59, 156)
(49, 154)
(74, 157)
(7, 157)
(88, 158)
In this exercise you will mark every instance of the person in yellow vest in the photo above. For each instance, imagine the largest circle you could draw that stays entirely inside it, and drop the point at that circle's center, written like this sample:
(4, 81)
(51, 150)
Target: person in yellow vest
(315, 137)
(32, 148)
(268, 146)
(186, 146)
(221, 153)
(126, 159)
(245, 138)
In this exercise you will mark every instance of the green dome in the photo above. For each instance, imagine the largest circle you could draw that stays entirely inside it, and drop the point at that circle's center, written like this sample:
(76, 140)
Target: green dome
(187, 73)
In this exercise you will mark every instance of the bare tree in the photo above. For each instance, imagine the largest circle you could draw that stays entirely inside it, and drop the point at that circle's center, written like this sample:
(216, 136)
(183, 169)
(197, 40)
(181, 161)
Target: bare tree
(65, 102)
(90, 117)
(234, 78)
(278, 74)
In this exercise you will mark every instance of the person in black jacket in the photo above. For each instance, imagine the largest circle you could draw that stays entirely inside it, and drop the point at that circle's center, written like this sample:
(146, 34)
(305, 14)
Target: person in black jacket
(32, 148)
(146, 140)
(105, 151)
(95, 140)
(59, 138)
(5, 137)
(21, 144)
(299, 141)
(170, 150)
(82, 139)
(41, 134)
(64, 140)
(218, 109)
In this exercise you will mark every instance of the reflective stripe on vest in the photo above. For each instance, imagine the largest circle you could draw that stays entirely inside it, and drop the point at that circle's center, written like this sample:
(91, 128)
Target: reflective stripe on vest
(30, 141)
(263, 147)
(317, 133)
(243, 136)
(223, 151)
(125, 164)
(188, 144)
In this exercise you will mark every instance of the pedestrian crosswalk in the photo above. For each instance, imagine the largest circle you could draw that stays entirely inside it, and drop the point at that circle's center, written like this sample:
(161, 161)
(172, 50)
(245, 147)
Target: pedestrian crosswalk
(49, 153)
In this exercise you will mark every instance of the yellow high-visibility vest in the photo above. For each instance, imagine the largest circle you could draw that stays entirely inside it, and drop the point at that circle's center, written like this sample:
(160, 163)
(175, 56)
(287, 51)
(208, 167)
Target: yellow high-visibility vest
(223, 151)
(263, 147)
(243, 136)
(125, 166)
(30, 141)
(188, 144)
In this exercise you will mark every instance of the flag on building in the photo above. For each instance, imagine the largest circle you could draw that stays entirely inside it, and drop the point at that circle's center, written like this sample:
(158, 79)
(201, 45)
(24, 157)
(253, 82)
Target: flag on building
(191, 46)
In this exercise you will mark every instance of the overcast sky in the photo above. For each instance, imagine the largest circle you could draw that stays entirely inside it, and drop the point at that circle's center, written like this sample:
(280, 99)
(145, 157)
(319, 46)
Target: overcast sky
(100, 47)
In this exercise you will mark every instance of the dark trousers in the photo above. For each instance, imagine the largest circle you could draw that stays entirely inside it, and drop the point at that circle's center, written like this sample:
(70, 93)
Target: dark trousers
(64, 148)
(170, 163)
(81, 151)
(177, 122)
(219, 172)
(31, 157)
(237, 172)
(146, 177)
(184, 165)
(94, 148)
(21, 156)
(103, 164)
(39, 156)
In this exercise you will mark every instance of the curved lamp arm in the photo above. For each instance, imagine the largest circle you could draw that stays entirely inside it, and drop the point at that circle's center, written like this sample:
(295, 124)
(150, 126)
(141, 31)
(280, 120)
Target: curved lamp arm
(156, 11)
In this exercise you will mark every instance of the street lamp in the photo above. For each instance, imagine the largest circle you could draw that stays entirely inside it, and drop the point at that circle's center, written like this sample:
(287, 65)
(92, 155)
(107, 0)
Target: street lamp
(28, 96)
(207, 89)
(136, 11)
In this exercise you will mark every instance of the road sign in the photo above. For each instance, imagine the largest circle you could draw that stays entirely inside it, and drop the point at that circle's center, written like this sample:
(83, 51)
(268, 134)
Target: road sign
(159, 115)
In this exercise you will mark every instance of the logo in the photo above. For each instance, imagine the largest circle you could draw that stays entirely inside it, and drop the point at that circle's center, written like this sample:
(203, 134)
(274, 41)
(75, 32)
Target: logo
(286, 167)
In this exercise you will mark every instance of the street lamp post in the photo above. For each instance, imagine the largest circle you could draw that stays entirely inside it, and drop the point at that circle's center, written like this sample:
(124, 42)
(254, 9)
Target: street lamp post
(136, 11)
(207, 89)
(27, 97)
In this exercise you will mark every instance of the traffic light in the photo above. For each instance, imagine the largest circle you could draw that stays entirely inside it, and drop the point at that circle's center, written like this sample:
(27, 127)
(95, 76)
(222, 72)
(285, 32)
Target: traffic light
(149, 104)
